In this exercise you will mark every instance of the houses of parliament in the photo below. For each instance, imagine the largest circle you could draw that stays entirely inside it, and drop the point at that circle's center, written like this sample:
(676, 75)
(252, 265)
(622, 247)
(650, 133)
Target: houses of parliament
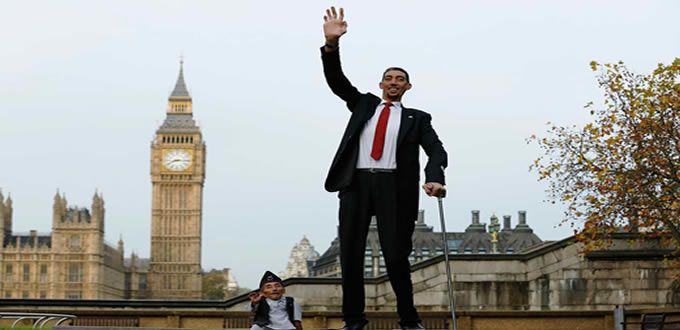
(75, 262)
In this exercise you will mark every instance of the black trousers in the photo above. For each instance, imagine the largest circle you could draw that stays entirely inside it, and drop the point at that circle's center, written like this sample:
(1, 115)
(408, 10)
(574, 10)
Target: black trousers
(374, 194)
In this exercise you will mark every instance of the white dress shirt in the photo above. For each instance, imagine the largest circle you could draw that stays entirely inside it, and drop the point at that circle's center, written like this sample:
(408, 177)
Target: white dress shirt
(389, 155)
(278, 316)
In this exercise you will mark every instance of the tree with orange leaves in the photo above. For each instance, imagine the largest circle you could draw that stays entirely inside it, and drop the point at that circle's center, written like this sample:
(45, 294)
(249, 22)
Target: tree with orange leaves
(621, 171)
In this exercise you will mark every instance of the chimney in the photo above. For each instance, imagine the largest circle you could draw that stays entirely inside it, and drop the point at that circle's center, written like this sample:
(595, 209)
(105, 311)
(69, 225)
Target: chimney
(522, 225)
(507, 224)
(34, 238)
(475, 226)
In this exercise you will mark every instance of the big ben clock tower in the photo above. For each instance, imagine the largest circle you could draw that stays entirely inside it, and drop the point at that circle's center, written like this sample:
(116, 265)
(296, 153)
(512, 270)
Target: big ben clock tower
(177, 176)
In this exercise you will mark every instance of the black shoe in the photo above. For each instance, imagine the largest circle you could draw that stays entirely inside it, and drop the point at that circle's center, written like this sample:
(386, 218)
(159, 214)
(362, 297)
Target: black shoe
(355, 325)
(412, 326)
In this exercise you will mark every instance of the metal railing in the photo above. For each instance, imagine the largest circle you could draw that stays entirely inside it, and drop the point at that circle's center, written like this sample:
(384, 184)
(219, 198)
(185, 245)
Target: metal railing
(39, 319)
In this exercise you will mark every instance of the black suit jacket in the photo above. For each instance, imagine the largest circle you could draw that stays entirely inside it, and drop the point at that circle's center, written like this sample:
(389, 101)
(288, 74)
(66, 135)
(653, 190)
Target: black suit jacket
(415, 131)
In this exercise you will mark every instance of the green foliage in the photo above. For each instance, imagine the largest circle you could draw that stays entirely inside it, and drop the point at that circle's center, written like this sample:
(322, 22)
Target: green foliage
(214, 285)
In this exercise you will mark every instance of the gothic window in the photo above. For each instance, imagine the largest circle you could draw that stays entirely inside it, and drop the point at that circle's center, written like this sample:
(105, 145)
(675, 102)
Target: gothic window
(8, 294)
(43, 273)
(9, 273)
(73, 295)
(74, 241)
(43, 294)
(75, 273)
(24, 295)
(27, 273)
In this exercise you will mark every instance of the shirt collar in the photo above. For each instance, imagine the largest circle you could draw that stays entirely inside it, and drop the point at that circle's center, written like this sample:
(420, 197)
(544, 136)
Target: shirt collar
(396, 103)
(272, 301)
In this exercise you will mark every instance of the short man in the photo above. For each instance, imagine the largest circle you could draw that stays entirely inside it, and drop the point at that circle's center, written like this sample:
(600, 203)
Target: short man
(376, 171)
(272, 310)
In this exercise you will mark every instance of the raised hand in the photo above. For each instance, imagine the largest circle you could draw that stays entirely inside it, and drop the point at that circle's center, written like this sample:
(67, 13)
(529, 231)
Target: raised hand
(334, 26)
(255, 297)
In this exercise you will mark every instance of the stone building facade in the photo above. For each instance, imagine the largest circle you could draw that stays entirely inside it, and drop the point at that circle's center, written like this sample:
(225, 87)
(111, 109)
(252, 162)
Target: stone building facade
(476, 239)
(72, 262)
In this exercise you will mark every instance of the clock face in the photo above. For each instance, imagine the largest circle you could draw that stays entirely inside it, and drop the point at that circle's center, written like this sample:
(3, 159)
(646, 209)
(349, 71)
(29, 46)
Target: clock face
(177, 160)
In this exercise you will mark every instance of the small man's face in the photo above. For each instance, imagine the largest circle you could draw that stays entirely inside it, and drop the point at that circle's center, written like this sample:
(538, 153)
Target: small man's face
(273, 290)
(394, 85)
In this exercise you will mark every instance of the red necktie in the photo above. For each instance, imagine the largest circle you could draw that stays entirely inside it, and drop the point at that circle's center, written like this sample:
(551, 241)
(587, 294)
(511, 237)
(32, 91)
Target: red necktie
(380, 130)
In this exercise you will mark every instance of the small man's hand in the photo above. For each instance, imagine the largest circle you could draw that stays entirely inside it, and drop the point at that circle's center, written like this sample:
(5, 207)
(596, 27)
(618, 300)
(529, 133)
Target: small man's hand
(255, 297)
(434, 189)
(298, 325)
(334, 26)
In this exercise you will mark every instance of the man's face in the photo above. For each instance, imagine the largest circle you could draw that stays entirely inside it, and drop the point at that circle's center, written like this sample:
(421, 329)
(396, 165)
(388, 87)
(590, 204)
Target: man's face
(394, 85)
(273, 290)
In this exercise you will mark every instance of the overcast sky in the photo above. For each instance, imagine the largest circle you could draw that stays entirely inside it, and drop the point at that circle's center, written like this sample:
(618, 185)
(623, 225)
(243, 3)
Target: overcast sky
(84, 86)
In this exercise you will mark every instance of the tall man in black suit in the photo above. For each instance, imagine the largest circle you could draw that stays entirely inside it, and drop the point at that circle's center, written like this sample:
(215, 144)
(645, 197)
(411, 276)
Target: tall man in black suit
(376, 171)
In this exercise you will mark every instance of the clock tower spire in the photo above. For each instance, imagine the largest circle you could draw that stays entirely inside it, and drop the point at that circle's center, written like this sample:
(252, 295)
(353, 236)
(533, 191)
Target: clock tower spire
(177, 177)
(180, 101)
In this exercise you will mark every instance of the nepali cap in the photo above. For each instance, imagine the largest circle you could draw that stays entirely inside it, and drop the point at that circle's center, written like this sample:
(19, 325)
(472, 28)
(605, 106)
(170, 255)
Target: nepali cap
(269, 277)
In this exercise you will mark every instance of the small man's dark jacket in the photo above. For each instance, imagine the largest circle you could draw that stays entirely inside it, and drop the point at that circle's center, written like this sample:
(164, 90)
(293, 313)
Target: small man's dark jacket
(262, 309)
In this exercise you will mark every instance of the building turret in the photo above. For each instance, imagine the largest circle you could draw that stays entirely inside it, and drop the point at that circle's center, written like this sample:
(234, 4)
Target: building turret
(5, 219)
(6, 214)
(98, 211)
(121, 248)
(58, 209)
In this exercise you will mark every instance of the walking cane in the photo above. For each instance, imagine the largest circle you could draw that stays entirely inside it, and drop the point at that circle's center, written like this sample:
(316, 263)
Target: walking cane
(449, 284)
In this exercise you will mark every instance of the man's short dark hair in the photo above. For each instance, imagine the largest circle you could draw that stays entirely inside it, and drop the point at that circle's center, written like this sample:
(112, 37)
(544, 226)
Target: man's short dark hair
(408, 80)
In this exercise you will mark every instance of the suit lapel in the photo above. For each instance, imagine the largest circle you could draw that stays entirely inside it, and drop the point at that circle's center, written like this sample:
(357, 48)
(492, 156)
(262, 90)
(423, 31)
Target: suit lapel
(370, 111)
(407, 119)
(375, 101)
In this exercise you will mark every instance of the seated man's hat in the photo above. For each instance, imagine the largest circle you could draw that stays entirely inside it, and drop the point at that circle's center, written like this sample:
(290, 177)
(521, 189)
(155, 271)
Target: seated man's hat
(269, 277)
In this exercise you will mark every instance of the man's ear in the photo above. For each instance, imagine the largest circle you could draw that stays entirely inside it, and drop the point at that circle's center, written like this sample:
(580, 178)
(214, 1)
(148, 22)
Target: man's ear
(380, 85)
(408, 86)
